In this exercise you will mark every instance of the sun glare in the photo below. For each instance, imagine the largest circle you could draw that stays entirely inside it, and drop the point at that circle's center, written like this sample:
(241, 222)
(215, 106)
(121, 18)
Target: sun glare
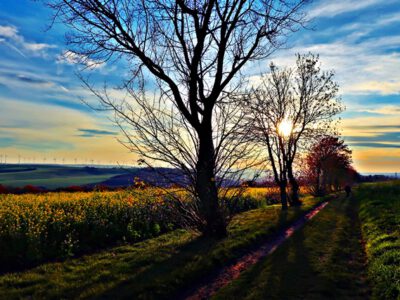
(285, 128)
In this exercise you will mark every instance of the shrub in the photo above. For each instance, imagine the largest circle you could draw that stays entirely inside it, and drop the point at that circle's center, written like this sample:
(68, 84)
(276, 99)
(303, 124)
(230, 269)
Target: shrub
(31, 189)
(3, 189)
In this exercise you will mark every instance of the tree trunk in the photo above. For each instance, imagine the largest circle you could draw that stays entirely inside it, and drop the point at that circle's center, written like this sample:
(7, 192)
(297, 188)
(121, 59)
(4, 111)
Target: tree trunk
(282, 190)
(324, 183)
(318, 183)
(206, 187)
(295, 200)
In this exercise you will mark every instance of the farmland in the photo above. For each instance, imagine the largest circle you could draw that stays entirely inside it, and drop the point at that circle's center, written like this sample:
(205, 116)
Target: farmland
(36, 228)
(53, 176)
(152, 268)
(57, 225)
(119, 244)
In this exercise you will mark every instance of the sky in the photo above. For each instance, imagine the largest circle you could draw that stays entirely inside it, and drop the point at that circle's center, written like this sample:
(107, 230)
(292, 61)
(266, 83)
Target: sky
(43, 119)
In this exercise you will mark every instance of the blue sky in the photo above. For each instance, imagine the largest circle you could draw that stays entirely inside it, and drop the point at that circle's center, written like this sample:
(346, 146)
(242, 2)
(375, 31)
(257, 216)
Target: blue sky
(41, 113)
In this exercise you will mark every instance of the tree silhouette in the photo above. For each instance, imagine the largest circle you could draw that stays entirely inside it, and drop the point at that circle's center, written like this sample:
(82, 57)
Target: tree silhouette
(195, 51)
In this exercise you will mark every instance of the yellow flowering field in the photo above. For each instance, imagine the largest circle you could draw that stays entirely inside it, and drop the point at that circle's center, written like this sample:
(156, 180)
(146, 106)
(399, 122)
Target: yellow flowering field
(38, 227)
(41, 227)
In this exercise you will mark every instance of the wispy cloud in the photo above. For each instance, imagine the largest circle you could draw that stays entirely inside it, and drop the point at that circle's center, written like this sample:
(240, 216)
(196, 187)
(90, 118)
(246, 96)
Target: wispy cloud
(331, 9)
(382, 137)
(9, 36)
(374, 145)
(33, 129)
(12, 47)
(22, 79)
(95, 132)
(361, 67)
(375, 127)
(385, 110)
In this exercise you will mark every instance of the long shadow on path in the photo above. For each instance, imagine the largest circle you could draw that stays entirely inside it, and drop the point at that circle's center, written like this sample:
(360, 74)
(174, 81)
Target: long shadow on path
(233, 271)
(323, 260)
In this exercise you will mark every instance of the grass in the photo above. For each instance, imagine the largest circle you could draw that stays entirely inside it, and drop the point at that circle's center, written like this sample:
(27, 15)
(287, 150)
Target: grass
(323, 260)
(380, 216)
(153, 269)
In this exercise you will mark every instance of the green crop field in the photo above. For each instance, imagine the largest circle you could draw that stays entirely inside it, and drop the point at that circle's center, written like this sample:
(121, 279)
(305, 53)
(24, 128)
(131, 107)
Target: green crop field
(52, 177)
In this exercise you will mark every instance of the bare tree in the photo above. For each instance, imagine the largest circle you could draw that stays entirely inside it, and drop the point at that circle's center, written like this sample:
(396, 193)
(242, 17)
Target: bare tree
(291, 108)
(195, 50)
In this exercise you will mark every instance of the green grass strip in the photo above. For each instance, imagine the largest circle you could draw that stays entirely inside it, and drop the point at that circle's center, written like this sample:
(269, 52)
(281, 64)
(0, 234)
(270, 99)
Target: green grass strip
(380, 217)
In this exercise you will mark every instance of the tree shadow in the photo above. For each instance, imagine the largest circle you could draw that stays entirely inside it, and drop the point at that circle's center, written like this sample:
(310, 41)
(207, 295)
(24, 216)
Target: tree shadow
(278, 276)
(320, 261)
(191, 264)
(160, 279)
(123, 272)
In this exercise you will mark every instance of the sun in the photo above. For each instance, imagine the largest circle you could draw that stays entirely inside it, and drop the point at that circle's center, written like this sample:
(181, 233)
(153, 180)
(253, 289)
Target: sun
(285, 128)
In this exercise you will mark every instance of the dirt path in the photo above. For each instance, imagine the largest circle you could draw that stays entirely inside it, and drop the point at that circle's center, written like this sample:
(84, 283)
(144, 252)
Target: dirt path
(233, 271)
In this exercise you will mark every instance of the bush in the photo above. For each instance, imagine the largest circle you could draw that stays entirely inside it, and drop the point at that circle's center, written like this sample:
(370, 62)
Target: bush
(74, 189)
(31, 189)
(3, 189)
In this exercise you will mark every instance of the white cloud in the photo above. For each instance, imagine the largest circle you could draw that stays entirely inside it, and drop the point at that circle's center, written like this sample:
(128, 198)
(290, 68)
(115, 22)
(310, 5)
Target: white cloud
(9, 36)
(38, 46)
(9, 31)
(72, 58)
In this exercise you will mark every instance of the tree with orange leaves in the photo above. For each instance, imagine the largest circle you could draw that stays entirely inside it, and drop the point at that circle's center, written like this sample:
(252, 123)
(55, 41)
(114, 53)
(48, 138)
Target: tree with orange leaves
(328, 165)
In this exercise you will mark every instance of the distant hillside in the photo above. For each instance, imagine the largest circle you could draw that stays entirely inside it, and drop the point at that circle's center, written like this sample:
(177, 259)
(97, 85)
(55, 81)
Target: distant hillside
(157, 177)
(59, 176)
